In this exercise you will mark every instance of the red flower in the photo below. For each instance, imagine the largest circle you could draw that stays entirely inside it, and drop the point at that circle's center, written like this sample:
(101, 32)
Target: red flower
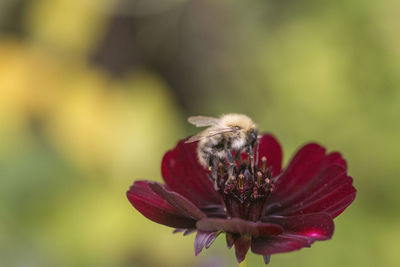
(265, 208)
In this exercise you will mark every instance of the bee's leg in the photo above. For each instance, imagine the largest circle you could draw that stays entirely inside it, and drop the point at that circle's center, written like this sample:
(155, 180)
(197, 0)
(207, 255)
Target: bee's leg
(213, 163)
(257, 152)
(238, 157)
(251, 156)
(210, 168)
(231, 161)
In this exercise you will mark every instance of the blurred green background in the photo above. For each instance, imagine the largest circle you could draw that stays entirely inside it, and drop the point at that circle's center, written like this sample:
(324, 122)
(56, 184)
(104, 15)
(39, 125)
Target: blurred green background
(92, 93)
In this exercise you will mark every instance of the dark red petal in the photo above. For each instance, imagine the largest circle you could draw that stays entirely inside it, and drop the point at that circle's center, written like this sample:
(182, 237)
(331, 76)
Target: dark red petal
(337, 158)
(183, 174)
(342, 204)
(317, 226)
(178, 202)
(204, 239)
(271, 149)
(155, 208)
(299, 231)
(333, 202)
(328, 180)
(279, 243)
(242, 245)
(320, 180)
(239, 226)
(309, 177)
(301, 168)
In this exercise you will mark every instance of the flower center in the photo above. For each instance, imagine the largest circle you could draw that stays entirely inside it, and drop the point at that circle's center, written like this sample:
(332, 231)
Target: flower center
(244, 185)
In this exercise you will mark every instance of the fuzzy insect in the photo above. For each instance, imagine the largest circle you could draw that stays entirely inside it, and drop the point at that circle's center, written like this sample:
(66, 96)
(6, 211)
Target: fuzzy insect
(230, 132)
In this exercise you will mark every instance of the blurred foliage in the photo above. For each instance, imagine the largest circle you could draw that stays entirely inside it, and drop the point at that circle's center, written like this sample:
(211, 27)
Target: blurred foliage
(92, 93)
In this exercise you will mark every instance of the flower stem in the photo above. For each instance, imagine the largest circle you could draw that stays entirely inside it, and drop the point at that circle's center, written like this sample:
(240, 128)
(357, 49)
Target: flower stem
(243, 263)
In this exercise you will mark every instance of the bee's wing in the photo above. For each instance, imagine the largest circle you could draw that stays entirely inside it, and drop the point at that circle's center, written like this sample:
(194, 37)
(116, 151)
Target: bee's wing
(208, 133)
(201, 121)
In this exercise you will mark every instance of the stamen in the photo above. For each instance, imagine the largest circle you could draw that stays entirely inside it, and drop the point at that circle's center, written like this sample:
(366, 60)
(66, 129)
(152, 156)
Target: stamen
(259, 176)
(244, 187)
(229, 184)
(220, 169)
(241, 182)
(251, 152)
(230, 180)
(264, 164)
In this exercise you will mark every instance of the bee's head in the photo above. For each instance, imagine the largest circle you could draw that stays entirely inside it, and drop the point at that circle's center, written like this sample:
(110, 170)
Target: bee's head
(245, 129)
